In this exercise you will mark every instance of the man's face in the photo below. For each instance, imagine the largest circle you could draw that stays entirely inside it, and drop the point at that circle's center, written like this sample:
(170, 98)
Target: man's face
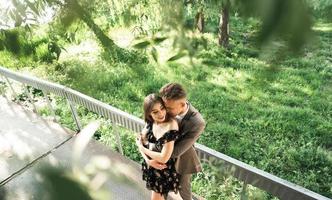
(174, 107)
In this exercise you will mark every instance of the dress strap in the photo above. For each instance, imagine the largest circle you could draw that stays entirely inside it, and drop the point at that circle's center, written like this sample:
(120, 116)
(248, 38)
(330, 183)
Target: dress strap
(169, 136)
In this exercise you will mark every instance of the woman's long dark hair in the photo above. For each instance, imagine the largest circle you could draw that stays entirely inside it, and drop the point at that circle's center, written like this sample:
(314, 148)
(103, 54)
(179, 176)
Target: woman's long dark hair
(149, 102)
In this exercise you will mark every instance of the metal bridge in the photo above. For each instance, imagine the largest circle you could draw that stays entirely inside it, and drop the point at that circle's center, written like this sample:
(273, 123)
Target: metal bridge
(28, 141)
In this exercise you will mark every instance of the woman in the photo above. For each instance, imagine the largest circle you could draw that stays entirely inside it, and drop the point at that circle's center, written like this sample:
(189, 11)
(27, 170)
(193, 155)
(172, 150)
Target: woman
(157, 142)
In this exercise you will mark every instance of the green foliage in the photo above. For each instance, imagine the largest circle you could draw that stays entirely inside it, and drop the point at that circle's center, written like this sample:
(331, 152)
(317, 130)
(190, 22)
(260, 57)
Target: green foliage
(129, 145)
(11, 41)
(321, 8)
(22, 44)
(216, 183)
(141, 45)
(43, 54)
(287, 21)
(59, 185)
(177, 56)
(24, 12)
(272, 113)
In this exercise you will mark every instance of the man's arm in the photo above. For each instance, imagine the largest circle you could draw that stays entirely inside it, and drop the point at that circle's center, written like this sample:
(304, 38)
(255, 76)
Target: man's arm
(190, 137)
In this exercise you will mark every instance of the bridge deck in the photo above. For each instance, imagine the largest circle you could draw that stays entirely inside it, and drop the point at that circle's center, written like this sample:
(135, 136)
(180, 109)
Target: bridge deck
(28, 141)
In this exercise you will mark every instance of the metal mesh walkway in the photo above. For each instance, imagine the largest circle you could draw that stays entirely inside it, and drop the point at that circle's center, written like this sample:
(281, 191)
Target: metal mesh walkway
(28, 141)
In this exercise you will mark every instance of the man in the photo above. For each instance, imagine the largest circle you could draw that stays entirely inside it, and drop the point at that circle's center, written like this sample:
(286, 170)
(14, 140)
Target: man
(191, 125)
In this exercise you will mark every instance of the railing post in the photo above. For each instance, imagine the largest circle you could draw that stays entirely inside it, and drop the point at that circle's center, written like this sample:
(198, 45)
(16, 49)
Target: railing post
(117, 135)
(11, 87)
(2, 80)
(49, 105)
(74, 114)
(27, 92)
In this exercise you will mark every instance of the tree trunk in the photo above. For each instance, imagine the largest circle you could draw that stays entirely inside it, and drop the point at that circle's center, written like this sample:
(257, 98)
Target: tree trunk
(107, 43)
(199, 19)
(223, 34)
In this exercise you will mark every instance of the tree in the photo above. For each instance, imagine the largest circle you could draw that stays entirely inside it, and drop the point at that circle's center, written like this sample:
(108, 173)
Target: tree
(223, 33)
(282, 20)
(288, 21)
(28, 13)
(81, 13)
(21, 13)
(200, 21)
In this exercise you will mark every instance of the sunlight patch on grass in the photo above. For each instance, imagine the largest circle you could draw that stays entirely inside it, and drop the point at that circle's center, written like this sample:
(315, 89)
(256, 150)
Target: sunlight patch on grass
(245, 95)
(223, 77)
(325, 27)
(7, 60)
(298, 90)
(307, 90)
(165, 52)
(85, 51)
(123, 37)
(257, 62)
(41, 32)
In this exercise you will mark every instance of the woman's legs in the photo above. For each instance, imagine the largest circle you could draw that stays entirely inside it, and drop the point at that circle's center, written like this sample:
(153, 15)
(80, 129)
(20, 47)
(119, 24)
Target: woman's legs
(156, 196)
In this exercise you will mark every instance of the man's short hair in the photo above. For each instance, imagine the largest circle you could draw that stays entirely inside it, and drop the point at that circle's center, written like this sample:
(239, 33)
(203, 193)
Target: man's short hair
(172, 91)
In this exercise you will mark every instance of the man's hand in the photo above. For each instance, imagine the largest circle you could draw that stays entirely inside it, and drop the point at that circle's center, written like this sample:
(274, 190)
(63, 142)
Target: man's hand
(157, 165)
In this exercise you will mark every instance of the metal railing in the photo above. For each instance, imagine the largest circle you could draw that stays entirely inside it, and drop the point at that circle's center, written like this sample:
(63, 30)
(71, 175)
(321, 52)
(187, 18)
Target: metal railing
(243, 172)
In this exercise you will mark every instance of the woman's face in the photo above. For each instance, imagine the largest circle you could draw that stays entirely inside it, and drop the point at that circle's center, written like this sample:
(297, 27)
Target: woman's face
(158, 112)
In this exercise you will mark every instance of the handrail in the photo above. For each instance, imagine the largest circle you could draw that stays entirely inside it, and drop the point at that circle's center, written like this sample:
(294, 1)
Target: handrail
(242, 171)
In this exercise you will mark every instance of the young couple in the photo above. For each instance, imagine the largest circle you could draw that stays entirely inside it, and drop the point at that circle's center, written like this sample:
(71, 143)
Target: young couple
(167, 142)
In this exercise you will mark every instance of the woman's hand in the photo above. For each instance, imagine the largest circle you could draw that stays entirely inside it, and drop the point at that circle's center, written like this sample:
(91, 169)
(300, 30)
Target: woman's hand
(157, 165)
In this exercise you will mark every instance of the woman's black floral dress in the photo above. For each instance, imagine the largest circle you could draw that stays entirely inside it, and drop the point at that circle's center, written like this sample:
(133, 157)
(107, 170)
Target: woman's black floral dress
(166, 180)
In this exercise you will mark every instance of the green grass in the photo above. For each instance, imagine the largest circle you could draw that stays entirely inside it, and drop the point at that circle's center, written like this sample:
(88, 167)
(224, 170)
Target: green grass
(276, 116)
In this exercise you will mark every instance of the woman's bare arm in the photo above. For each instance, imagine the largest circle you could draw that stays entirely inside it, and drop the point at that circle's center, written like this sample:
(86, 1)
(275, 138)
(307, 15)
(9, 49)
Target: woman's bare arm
(162, 156)
(142, 140)
(167, 149)
(144, 156)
